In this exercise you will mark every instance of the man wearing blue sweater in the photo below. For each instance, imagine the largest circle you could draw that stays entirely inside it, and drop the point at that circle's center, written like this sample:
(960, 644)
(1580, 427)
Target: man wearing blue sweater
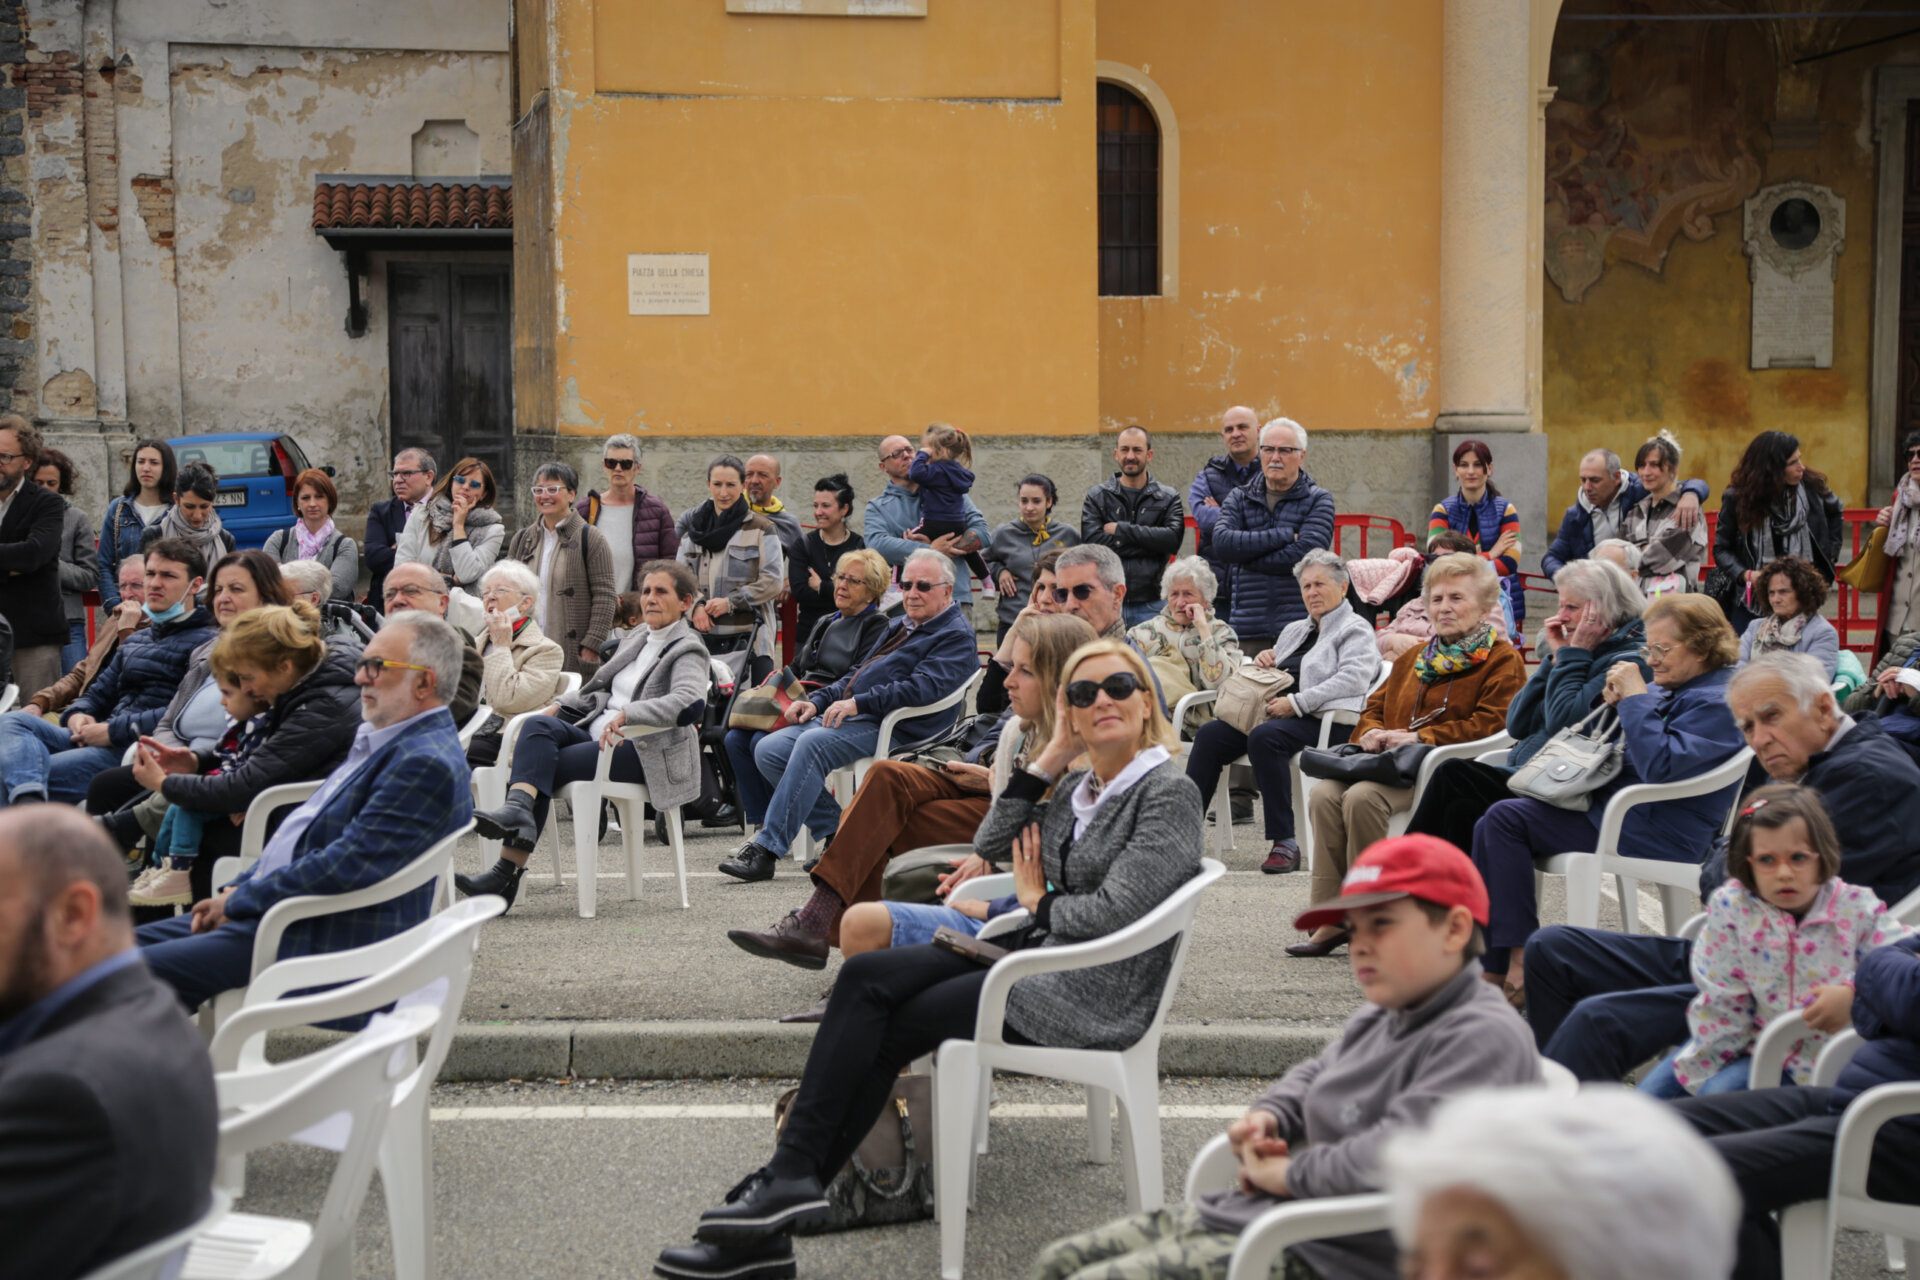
(894, 514)
(921, 658)
(1779, 1142)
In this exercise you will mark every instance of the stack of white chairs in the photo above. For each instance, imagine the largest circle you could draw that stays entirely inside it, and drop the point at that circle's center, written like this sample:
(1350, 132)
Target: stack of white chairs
(964, 1068)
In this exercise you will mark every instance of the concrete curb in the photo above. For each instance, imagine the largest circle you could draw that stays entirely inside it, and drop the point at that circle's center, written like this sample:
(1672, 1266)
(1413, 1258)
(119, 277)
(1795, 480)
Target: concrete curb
(713, 1050)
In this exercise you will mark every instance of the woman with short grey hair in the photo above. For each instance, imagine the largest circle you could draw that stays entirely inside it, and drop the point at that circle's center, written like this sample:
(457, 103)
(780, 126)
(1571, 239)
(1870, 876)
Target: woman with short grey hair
(1333, 660)
(1599, 1185)
(1189, 648)
(637, 525)
(1598, 624)
(521, 665)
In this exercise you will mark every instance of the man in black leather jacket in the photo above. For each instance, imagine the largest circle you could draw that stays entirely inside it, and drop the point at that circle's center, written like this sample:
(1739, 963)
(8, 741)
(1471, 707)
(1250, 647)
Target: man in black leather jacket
(1139, 519)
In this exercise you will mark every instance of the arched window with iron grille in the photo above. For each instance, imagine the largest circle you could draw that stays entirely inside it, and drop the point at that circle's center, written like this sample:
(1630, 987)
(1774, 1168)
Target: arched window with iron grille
(1129, 147)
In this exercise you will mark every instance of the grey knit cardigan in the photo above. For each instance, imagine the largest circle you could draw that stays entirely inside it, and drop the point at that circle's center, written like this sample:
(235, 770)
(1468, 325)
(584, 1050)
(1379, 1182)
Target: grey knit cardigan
(1141, 846)
(672, 695)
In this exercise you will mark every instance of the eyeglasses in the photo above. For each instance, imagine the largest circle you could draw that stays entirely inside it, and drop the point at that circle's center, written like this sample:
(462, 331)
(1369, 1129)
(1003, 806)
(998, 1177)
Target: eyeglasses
(851, 579)
(923, 587)
(896, 455)
(546, 491)
(8, 459)
(374, 666)
(1118, 686)
(619, 464)
(395, 475)
(1280, 450)
(410, 591)
(1079, 591)
(470, 482)
(1659, 651)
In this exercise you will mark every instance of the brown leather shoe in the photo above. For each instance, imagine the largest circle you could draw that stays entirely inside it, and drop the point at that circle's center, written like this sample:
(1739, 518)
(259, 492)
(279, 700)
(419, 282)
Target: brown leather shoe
(813, 1014)
(785, 941)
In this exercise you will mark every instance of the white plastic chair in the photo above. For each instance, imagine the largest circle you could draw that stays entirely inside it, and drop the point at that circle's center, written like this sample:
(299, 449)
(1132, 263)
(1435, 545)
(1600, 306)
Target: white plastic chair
(431, 965)
(490, 781)
(481, 714)
(253, 828)
(629, 801)
(844, 781)
(1678, 881)
(1188, 703)
(9, 698)
(432, 867)
(341, 1097)
(162, 1259)
(1261, 1244)
(964, 1068)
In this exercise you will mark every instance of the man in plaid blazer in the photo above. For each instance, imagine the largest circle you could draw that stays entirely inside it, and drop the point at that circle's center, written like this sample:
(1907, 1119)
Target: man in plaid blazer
(403, 786)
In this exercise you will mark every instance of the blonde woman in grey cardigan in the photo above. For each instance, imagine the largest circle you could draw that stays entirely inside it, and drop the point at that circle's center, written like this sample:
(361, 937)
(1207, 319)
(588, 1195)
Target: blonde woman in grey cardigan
(1333, 659)
(1112, 842)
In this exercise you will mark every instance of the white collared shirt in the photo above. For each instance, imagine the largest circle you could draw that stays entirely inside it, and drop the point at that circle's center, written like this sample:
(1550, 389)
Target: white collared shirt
(1086, 804)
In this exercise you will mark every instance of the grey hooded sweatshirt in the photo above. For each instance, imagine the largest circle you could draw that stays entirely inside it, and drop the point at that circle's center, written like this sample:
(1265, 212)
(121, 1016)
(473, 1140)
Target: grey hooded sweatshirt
(1387, 1071)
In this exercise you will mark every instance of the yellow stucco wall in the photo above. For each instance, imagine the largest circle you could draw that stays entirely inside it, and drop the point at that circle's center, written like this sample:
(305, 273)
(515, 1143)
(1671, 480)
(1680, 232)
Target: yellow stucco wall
(888, 246)
(1309, 215)
(1643, 352)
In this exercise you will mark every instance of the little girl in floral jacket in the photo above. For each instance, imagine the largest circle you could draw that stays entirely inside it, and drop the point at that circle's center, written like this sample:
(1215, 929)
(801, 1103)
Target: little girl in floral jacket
(1784, 934)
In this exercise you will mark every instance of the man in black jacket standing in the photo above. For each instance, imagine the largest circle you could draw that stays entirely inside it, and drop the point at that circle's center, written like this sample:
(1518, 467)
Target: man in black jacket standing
(1601, 1003)
(30, 523)
(108, 1120)
(412, 477)
(1139, 519)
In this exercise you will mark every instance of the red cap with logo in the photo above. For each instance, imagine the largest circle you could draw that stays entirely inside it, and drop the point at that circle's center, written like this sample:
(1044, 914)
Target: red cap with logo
(1405, 867)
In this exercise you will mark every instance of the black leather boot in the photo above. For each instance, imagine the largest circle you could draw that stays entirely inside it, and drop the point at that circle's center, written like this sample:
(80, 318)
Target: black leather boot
(502, 879)
(512, 823)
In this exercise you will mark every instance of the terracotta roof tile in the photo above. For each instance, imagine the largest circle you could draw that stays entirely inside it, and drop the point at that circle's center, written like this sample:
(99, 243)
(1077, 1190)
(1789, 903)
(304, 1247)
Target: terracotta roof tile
(435, 205)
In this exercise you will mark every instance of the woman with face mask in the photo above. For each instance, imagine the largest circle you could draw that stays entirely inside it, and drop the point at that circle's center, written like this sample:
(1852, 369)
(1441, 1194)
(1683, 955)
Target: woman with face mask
(522, 666)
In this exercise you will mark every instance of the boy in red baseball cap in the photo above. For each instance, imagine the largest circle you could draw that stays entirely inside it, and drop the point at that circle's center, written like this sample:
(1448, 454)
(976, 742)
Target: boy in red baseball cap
(1431, 1027)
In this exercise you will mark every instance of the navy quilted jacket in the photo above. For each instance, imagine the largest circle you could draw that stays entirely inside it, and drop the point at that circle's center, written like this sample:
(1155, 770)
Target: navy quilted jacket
(1261, 544)
(145, 673)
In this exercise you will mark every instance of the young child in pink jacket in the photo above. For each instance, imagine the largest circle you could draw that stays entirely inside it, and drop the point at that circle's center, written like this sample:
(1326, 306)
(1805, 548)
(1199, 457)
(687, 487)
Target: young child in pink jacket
(1784, 933)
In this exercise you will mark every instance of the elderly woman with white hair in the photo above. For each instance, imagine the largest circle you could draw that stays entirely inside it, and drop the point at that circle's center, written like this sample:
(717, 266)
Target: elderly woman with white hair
(1523, 1183)
(1453, 689)
(521, 667)
(1333, 661)
(1185, 642)
(1597, 625)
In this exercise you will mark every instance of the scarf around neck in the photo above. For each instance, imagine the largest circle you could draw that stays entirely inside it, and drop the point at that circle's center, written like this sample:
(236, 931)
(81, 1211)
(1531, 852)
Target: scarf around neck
(1787, 525)
(711, 530)
(1777, 635)
(310, 543)
(1439, 661)
(1903, 527)
(206, 540)
(773, 506)
(440, 519)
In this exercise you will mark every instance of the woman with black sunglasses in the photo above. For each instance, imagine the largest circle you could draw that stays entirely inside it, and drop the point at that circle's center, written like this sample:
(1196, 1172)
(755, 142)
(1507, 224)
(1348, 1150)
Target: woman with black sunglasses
(456, 531)
(1113, 841)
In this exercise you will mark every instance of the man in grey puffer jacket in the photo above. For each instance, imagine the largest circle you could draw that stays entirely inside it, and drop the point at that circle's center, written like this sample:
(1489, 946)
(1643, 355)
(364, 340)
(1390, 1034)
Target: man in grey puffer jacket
(1431, 1027)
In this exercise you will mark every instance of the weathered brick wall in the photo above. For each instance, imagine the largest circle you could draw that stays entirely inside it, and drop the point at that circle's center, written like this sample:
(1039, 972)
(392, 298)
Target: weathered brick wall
(17, 84)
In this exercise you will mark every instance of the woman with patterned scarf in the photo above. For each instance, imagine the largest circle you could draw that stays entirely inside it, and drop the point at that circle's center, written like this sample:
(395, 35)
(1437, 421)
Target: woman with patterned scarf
(1455, 688)
(192, 516)
(1792, 624)
(456, 532)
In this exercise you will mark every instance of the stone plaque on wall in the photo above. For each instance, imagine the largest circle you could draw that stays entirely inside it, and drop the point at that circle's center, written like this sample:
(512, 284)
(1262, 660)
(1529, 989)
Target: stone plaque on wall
(667, 284)
(1794, 234)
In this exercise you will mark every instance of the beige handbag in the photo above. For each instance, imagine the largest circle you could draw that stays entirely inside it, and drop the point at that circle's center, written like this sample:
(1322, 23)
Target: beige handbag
(1244, 696)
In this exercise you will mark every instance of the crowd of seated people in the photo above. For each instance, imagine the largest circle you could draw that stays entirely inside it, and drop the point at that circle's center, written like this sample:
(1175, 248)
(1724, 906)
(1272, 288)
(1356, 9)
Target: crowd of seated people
(205, 687)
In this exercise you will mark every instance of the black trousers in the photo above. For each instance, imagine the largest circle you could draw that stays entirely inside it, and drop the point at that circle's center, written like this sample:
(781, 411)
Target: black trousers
(551, 753)
(1601, 1003)
(1779, 1145)
(888, 1007)
(112, 788)
(1457, 797)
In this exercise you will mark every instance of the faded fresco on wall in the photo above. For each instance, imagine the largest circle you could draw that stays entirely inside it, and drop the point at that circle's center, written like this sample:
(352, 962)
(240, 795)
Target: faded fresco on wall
(1644, 143)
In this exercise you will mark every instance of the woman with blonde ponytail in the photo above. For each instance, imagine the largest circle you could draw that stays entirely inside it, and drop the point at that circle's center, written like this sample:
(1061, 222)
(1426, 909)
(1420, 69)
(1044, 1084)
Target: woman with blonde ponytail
(1670, 556)
(276, 661)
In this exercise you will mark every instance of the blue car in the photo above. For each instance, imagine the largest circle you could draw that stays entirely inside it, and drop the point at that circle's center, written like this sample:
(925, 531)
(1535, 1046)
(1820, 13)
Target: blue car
(256, 470)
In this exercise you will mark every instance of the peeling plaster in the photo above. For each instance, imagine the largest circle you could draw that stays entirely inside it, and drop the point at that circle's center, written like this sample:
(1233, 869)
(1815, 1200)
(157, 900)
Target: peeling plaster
(576, 412)
(1408, 364)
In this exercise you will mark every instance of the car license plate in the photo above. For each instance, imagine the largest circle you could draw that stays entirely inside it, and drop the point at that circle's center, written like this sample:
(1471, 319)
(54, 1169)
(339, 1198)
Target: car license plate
(230, 498)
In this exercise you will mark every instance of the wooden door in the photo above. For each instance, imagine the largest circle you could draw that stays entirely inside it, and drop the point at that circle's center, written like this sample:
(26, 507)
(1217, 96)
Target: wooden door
(450, 363)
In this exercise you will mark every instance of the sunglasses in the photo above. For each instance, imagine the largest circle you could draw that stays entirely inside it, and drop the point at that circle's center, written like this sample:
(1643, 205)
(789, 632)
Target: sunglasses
(470, 482)
(1912, 454)
(1118, 686)
(1080, 591)
(618, 464)
(395, 475)
(923, 587)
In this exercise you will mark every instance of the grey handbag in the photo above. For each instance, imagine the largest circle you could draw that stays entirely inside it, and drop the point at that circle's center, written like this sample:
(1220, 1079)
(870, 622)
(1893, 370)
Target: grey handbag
(1574, 763)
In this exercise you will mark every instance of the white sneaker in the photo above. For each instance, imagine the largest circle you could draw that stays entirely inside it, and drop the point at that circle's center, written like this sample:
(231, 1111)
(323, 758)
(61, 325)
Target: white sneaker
(167, 888)
(142, 880)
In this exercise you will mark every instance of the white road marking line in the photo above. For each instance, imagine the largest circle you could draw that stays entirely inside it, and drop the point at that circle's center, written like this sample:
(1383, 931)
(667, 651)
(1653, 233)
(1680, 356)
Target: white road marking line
(764, 1111)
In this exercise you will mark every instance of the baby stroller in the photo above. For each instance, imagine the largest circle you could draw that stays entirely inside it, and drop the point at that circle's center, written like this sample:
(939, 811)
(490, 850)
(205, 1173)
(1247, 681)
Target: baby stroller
(731, 658)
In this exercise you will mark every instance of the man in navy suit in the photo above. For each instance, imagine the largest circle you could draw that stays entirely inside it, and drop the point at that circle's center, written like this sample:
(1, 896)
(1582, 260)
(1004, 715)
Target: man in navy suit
(403, 787)
(412, 477)
(108, 1120)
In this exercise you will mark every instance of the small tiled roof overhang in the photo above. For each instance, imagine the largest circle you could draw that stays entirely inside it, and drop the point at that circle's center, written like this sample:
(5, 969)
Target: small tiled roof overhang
(378, 210)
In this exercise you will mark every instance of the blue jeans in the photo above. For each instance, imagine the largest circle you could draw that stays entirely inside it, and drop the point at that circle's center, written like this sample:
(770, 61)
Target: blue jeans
(795, 761)
(198, 966)
(38, 755)
(1601, 1003)
(179, 837)
(76, 646)
(1135, 614)
(914, 923)
(753, 791)
(1662, 1083)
